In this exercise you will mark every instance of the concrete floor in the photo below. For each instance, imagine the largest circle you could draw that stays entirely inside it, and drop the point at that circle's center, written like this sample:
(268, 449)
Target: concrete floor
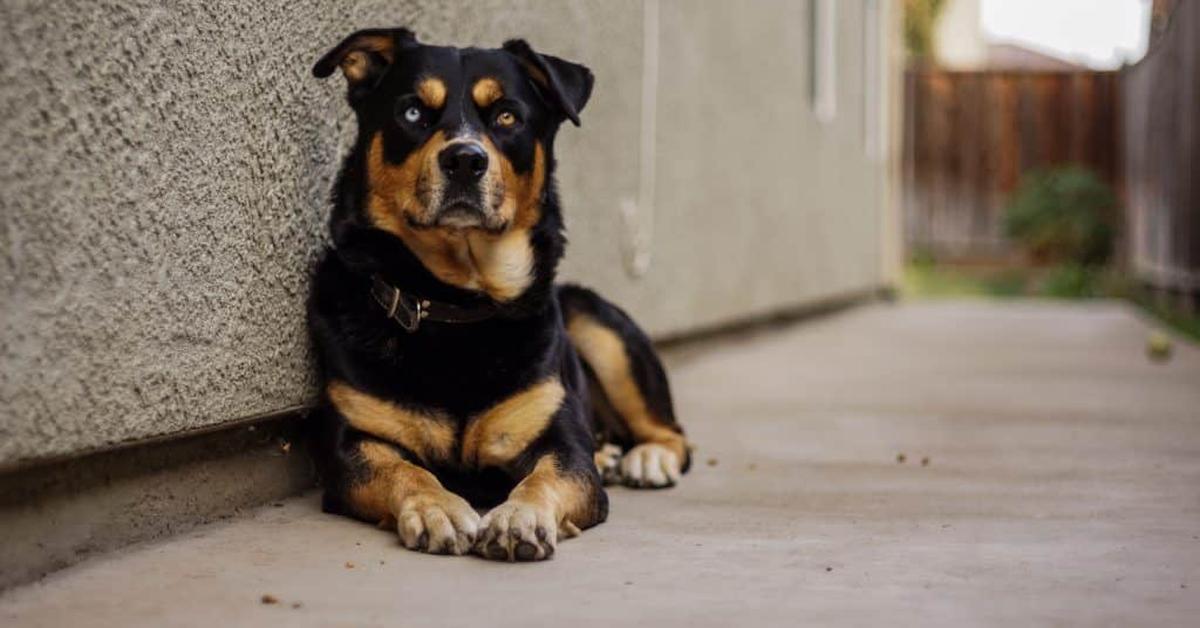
(1051, 476)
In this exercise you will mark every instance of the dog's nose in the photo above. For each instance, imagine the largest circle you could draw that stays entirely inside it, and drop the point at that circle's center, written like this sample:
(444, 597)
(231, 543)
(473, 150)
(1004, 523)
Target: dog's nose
(464, 162)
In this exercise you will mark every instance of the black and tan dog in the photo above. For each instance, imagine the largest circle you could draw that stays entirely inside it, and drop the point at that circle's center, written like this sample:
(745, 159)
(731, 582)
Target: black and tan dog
(450, 359)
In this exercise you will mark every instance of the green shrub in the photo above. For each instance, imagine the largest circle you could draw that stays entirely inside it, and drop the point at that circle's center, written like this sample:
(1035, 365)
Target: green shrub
(1065, 215)
(1071, 281)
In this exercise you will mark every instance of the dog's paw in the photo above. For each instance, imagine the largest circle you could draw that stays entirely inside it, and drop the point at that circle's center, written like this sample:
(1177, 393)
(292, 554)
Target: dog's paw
(608, 463)
(650, 465)
(517, 530)
(437, 522)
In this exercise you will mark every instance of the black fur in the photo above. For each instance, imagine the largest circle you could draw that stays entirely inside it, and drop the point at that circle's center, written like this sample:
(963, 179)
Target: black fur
(459, 370)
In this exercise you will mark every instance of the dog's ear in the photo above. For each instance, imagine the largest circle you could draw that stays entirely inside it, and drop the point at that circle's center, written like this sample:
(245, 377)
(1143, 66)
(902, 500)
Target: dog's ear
(365, 55)
(566, 85)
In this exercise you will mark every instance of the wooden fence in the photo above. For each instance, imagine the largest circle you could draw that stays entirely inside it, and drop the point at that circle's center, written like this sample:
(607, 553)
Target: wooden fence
(1161, 102)
(969, 136)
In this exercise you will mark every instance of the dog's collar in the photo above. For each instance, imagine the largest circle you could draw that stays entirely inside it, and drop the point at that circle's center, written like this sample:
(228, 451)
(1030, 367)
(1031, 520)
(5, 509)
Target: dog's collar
(409, 311)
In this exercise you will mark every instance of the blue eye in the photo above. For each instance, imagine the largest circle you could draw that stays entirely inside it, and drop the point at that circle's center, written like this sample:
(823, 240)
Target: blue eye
(412, 114)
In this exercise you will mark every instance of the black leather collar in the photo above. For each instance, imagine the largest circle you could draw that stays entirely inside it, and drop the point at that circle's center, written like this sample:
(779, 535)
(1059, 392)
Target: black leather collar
(409, 311)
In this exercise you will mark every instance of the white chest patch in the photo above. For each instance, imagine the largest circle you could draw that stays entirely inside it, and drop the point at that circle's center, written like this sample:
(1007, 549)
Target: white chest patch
(503, 264)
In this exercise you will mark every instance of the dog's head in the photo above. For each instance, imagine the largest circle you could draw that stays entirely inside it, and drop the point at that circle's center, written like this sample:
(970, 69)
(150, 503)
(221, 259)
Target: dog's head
(455, 139)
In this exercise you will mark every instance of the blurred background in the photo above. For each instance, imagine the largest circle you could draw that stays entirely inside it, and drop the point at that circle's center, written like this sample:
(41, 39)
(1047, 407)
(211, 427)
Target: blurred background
(166, 170)
(1050, 150)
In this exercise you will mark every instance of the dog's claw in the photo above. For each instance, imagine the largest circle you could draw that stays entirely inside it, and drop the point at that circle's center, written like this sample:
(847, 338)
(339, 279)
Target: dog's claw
(496, 551)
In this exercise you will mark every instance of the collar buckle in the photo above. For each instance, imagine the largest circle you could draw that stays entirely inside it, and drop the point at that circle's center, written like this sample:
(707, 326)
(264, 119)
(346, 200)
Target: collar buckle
(404, 310)
(408, 311)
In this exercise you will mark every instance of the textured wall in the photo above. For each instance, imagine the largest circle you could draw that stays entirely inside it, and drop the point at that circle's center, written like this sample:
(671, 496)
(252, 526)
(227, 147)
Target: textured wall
(165, 170)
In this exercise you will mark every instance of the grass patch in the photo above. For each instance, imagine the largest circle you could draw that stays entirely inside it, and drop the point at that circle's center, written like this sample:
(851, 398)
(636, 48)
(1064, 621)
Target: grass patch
(924, 280)
(932, 281)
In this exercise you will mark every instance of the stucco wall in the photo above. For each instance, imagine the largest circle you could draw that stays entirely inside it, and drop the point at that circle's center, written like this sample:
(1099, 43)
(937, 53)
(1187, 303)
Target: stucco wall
(165, 171)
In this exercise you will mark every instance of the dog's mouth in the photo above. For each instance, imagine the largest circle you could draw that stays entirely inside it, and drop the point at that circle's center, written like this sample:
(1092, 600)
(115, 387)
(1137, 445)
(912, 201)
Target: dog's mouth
(461, 213)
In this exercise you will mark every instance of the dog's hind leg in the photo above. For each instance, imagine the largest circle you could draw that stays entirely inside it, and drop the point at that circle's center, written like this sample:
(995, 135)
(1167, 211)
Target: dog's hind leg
(631, 398)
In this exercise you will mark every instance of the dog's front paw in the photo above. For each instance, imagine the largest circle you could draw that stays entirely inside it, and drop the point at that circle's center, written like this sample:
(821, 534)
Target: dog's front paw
(517, 530)
(437, 522)
(650, 465)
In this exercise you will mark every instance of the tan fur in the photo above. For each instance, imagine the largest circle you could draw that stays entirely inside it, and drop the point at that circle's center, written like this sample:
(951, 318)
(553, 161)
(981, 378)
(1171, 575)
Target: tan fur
(432, 92)
(354, 66)
(604, 351)
(486, 91)
(392, 478)
(569, 499)
(382, 44)
(498, 264)
(522, 192)
(505, 430)
(429, 437)
(393, 188)
(356, 62)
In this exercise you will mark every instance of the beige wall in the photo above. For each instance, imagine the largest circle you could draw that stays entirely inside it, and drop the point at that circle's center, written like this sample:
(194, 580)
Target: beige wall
(165, 185)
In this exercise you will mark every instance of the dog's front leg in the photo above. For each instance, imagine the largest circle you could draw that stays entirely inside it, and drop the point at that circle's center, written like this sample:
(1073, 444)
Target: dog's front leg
(560, 497)
(427, 517)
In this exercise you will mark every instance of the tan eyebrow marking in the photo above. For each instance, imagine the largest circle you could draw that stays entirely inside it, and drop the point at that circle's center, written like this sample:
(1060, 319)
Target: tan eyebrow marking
(486, 91)
(432, 92)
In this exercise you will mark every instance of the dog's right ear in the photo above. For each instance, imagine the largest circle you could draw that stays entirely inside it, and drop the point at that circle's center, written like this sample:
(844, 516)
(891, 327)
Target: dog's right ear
(365, 55)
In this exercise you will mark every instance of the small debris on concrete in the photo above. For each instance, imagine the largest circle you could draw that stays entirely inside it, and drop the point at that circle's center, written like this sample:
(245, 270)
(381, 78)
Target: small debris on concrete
(278, 504)
(752, 466)
(925, 461)
(628, 582)
(349, 565)
(267, 598)
(900, 458)
(712, 462)
(828, 569)
(296, 605)
(1158, 347)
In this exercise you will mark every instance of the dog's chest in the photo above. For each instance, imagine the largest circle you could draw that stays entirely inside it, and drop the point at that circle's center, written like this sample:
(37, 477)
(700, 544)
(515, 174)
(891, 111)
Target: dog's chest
(500, 265)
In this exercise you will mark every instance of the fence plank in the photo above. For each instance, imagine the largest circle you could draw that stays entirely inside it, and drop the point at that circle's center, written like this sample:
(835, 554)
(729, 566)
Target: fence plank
(974, 134)
(1161, 101)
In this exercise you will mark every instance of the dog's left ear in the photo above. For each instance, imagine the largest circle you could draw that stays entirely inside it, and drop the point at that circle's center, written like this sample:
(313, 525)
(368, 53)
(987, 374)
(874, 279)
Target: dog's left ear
(568, 85)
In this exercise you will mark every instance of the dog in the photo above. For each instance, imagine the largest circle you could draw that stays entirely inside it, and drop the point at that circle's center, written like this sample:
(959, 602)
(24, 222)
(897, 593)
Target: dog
(456, 374)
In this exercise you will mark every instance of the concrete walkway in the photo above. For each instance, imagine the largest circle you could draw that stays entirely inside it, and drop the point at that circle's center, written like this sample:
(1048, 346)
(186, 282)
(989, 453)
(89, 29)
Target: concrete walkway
(1050, 476)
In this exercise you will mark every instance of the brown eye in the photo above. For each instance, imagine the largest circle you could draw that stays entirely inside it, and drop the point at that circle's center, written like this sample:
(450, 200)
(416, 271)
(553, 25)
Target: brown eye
(506, 119)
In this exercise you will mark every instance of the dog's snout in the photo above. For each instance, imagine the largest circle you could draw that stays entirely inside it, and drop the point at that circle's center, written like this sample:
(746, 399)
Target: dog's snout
(463, 162)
